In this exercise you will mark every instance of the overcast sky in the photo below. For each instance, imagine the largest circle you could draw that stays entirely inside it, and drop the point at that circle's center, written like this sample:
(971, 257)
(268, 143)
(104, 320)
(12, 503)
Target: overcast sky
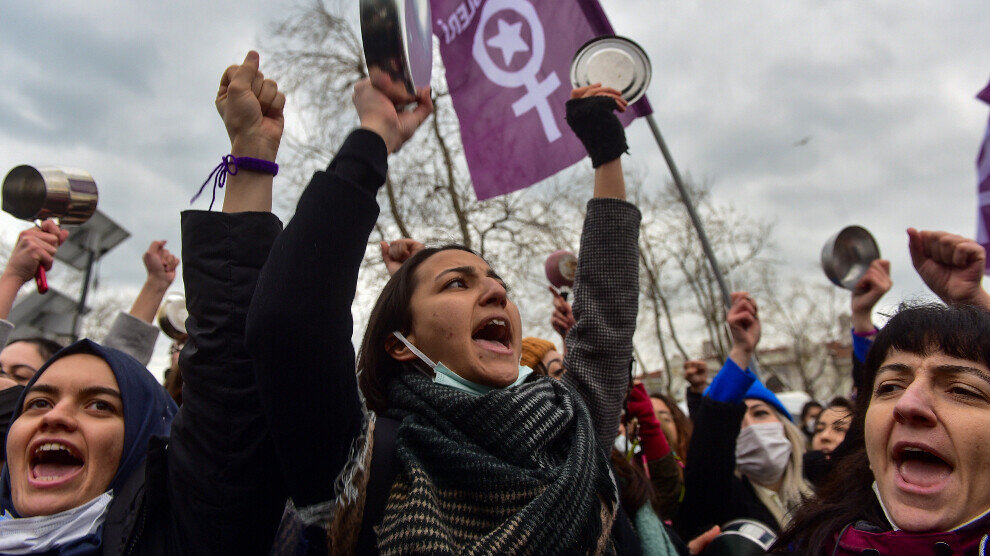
(883, 92)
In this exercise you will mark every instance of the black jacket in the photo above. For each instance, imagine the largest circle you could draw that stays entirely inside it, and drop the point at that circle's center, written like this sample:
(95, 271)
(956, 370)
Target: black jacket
(300, 331)
(213, 486)
(713, 494)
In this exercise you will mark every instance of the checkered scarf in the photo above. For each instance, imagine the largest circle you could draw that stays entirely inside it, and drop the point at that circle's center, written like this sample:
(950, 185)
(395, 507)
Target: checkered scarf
(516, 471)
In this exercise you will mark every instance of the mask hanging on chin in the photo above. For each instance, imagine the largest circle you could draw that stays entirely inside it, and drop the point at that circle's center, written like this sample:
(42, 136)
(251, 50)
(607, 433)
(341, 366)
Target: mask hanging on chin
(762, 452)
(443, 375)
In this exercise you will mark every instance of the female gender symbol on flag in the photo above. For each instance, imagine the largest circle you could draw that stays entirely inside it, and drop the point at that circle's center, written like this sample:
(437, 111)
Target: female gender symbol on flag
(509, 40)
(504, 79)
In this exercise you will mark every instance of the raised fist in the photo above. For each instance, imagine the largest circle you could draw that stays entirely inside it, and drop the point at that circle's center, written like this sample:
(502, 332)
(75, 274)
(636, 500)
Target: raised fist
(397, 252)
(874, 284)
(160, 264)
(951, 265)
(251, 108)
(744, 326)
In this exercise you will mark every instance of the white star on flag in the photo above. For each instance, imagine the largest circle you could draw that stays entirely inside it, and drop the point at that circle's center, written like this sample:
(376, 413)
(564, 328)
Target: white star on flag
(508, 40)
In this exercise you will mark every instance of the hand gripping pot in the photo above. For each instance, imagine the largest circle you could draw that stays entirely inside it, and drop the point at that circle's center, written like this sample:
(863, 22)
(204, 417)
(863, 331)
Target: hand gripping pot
(398, 46)
(67, 195)
(741, 537)
(847, 255)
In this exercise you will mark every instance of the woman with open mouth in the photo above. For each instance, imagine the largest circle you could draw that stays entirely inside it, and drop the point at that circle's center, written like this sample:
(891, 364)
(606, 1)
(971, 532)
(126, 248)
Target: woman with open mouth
(917, 480)
(100, 460)
(460, 453)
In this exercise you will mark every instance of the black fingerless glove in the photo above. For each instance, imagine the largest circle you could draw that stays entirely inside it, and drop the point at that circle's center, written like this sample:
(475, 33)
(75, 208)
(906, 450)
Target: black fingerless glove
(594, 122)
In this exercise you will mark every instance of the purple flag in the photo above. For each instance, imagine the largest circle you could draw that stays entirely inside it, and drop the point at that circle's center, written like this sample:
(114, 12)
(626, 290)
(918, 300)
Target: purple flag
(508, 69)
(983, 185)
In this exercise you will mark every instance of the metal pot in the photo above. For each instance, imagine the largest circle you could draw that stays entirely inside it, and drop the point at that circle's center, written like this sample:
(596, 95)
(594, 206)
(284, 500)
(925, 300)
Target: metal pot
(66, 194)
(741, 537)
(172, 317)
(398, 46)
(847, 255)
(561, 268)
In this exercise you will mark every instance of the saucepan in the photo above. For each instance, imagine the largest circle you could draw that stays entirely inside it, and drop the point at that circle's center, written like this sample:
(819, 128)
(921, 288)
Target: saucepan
(172, 316)
(741, 537)
(67, 195)
(847, 255)
(561, 269)
(615, 62)
(398, 46)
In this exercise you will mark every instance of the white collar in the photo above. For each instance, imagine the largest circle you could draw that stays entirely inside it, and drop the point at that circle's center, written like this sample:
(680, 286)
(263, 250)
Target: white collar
(32, 535)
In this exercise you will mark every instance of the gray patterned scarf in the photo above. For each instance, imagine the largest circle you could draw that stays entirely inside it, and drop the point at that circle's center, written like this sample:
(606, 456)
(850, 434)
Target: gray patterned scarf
(515, 471)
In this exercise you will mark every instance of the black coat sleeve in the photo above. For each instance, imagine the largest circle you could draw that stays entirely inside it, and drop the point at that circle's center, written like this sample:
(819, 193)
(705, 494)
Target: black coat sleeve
(711, 489)
(693, 400)
(299, 327)
(224, 488)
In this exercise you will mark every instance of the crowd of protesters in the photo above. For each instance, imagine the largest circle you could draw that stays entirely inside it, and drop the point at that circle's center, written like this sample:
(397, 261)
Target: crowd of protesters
(449, 430)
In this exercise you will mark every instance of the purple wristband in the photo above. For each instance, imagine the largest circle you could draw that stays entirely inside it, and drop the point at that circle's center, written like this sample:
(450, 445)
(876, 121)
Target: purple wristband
(230, 164)
(254, 165)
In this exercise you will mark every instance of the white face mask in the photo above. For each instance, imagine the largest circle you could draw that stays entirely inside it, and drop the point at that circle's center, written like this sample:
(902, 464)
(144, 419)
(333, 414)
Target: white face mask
(443, 375)
(762, 452)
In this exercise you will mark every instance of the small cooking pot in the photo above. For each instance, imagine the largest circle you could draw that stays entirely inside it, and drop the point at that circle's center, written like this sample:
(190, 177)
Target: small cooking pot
(398, 46)
(561, 268)
(66, 194)
(847, 255)
(172, 317)
(741, 537)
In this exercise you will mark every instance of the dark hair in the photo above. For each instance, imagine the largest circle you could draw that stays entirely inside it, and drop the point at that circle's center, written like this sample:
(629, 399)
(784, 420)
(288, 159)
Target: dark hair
(46, 348)
(635, 488)
(807, 407)
(847, 494)
(684, 426)
(376, 367)
(840, 402)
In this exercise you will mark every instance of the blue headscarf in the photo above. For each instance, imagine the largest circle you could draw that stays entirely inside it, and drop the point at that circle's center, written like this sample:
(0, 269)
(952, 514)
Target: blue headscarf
(148, 410)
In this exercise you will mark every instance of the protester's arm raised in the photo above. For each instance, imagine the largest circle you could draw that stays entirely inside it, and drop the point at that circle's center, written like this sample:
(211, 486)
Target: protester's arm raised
(35, 247)
(226, 490)
(134, 332)
(300, 324)
(951, 265)
(874, 284)
(606, 291)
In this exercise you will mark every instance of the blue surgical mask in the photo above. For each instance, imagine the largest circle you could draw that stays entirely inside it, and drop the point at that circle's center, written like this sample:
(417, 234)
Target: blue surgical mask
(443, 375)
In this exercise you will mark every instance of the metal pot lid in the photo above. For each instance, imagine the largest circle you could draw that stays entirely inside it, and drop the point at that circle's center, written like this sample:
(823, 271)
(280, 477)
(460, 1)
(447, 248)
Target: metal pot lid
(615, 62)
(847, 255)
(398, 45)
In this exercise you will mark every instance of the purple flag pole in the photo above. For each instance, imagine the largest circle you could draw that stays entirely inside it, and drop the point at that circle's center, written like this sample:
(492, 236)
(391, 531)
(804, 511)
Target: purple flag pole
(983, 185)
